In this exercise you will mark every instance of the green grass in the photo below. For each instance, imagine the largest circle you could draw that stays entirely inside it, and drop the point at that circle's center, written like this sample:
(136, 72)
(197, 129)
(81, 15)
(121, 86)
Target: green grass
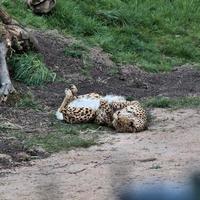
(156, 35)
(28, 101)
(57, 142)
(61, 137)
(81, 51)
(30, 69)
(76, 50)
(164, 102)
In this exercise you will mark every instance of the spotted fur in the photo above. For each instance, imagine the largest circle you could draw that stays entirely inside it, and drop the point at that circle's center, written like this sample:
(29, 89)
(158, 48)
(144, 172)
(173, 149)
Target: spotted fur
(131, 118)
(111, 110)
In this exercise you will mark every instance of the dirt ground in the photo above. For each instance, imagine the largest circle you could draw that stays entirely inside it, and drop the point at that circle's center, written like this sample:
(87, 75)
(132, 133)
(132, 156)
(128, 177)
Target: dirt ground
(104, 76)
(126, 80)
(168, 151)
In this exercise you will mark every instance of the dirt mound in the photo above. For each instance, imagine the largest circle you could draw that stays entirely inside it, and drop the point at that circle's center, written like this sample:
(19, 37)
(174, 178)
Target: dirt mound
(127, 80)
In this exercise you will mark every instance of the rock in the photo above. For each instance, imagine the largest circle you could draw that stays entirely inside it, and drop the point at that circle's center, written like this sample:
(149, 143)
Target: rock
(38, 151)
(9, 125)
(41, 6)
(134, 76)
(22, 156)
(100, 58)
(5, 159)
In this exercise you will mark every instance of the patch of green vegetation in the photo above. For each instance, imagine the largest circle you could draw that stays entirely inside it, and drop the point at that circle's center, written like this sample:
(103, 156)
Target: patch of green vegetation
(130, 98)
(155, 35)
(79, 50)
(164, 102)
(76, 50)
(55, 142)
(61, 137)
(75, 129)
(28, 101)
(155, 166)
(30, 69)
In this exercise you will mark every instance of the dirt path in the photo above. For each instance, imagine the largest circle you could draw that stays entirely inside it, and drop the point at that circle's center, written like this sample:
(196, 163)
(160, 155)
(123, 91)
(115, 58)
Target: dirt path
(172, 143)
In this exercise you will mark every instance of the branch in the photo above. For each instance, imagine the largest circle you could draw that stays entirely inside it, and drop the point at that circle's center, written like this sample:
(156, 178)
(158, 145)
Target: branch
(5, 18)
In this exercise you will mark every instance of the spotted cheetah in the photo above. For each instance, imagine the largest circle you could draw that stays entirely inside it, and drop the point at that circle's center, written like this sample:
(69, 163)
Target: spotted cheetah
(111, 110)
(132, 118)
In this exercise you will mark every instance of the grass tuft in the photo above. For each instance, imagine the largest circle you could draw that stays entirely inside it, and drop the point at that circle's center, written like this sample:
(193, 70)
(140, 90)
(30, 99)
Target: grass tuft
(28, 101)
(52, 142)
(164, 102)
(61, 137)
(30, 69)
(76, 50)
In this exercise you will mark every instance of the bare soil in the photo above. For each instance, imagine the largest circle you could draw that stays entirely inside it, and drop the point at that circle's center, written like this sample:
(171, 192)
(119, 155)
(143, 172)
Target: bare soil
(104, 76)
(126, 80)
(168, 151)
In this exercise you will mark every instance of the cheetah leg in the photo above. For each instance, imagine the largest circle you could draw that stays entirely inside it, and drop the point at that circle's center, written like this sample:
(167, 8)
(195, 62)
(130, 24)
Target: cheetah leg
(68, 98)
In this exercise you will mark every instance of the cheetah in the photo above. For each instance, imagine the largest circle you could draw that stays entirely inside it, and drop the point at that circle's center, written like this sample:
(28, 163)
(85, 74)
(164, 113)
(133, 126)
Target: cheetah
(132, 118)
(111, 110)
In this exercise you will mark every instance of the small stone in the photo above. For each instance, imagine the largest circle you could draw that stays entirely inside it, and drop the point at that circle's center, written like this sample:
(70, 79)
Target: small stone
(5, 159)
(22, 156)
(38, 151)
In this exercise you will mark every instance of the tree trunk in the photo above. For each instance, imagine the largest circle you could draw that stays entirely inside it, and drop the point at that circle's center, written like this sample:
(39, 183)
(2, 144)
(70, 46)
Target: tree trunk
(12, 36)
(6, 85)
